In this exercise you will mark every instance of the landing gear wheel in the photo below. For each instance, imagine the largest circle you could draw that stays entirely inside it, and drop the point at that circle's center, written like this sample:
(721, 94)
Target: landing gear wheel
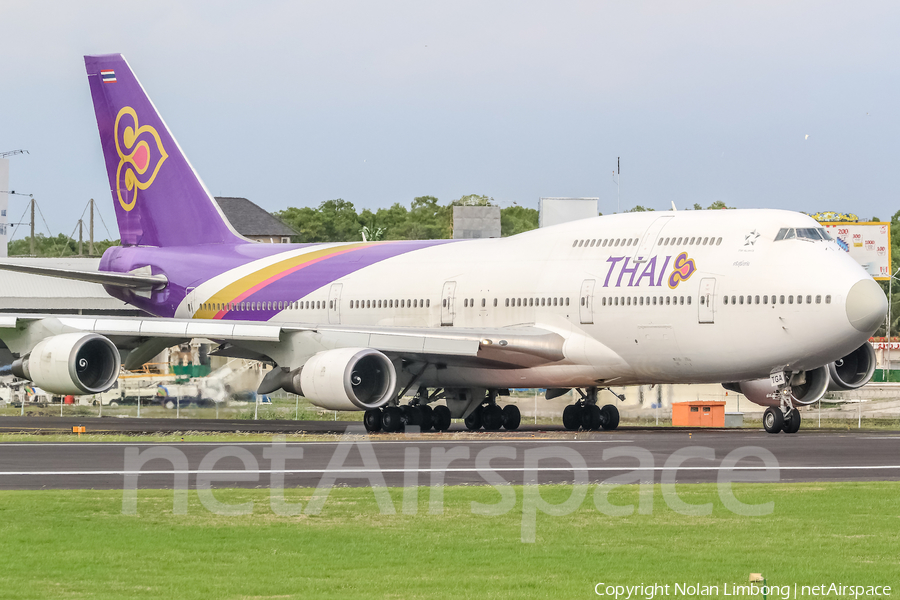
(609, 417)
(392, 419)
(412, 415)
(440, 418)
(773, 419)
(492, 417)
(792, 422)
(427, 417)
(511, 417)
(372, 420)
(473, 421)
(572, 417)
(590, 417)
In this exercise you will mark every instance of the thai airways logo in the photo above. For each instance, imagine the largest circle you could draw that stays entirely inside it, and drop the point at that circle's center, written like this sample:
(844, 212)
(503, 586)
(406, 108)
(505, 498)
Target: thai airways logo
(141, 154)
(684, 268)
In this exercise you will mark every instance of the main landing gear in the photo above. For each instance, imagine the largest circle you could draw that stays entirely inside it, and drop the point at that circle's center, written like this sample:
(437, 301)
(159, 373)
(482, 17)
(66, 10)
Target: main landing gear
(784, 417)
(393, 419)
(492, 417)
(585, 414)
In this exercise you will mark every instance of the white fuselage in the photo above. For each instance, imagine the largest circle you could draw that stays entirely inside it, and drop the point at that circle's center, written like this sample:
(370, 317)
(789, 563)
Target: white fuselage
(609, 285)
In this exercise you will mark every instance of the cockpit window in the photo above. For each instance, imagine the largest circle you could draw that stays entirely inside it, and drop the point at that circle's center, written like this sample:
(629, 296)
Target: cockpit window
(815, 234)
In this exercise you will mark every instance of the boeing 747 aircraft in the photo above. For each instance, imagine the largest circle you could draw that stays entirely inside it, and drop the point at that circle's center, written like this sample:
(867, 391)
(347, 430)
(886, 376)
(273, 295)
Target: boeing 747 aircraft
(762, 301)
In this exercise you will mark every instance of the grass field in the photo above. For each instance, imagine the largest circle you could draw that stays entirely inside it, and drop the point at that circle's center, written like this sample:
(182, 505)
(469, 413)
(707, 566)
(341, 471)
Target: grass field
(78, 544)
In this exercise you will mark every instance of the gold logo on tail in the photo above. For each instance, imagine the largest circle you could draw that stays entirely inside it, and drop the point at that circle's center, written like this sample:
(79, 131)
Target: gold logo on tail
(141, 154)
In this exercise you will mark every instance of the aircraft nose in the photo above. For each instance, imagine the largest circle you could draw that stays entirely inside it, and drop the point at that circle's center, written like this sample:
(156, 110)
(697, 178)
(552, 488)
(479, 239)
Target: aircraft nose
(866, 305)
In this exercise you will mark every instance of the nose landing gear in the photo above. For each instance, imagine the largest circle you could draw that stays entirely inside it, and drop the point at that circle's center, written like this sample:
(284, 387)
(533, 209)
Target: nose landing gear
(784, 417)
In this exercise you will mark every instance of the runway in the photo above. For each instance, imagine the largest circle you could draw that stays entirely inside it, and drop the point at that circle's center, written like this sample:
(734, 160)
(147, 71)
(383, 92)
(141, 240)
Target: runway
(358, 460)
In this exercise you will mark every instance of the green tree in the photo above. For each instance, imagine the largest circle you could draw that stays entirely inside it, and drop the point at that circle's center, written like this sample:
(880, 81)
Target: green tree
(517, 219)
(53, 247)
(640, 208)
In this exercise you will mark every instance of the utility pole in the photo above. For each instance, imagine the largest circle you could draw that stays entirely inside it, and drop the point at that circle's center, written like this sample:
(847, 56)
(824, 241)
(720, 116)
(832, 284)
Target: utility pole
(80, 237)
(31, 245)
(91, 232)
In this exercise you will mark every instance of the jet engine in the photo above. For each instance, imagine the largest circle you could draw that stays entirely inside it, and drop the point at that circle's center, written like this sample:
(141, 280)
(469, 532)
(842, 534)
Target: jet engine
(348, 379)
(806, 388)
(854, 370)
(71, 363)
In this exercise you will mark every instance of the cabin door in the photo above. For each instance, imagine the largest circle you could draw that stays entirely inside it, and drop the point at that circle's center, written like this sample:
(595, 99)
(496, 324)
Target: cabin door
(707, 301)
(447, 299)
(334, 303)
(586, 302)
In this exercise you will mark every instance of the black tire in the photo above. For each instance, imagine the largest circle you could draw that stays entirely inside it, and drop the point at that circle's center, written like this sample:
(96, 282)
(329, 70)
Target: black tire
(511, 417)
(440, 418)
(609, 417)
(773, 419)
(492, 418)
(412, 416)
(590, 417)
(572, 417)
(392, 419)
(372, 420)
(427, 417)
(792, 423)
(473, 421)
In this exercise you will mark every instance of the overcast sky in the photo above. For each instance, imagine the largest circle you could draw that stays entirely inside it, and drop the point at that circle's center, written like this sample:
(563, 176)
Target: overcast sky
(293, 103)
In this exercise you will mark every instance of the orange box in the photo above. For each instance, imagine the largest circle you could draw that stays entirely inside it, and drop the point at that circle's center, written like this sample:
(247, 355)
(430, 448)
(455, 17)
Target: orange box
(76, 429)
(700, 413)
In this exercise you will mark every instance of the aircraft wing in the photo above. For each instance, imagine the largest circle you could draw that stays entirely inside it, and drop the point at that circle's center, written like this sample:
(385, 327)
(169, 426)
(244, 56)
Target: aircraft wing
(139, 339)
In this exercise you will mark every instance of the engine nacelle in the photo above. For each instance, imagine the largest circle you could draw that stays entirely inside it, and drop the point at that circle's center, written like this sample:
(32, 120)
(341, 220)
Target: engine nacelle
(348, 379)
(854, 370)
(806, 388)
(71, 363)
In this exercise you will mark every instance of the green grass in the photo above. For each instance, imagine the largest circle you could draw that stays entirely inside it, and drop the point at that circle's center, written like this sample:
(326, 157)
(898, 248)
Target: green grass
(78, 544)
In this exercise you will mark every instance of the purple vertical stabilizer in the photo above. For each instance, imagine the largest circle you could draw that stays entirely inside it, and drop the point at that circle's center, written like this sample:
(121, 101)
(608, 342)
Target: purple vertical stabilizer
(159, 199)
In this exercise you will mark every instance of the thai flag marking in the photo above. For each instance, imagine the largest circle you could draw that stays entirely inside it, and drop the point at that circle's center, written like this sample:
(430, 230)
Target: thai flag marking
(108, 76)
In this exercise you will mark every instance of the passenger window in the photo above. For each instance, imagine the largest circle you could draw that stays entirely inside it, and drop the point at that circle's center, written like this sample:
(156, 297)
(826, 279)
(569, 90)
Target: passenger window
(428, 303)
(617, 241)
(705, 241)
(628, 301)
(668, 300)
(691, 243)
(828, 299)
(733, 300)
(679, 241)
(799, 299)
(518, 302)
(718, 241)
(819, 299)
(567, 301)
(580, 243)
(781, 299)
(756, 300)
(765, 299)
(507, 302)
(444, 303)
(604, 243)
(575, 243)
(654, 300)
(689, 300)
(554, 302)
(642, 300)
(466, 303)
(593, 242)
(666, 243)
(790, 299)
(809, 299)
(681, 300)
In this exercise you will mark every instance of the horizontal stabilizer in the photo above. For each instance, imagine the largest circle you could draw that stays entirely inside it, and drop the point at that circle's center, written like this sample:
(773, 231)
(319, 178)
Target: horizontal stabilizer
(122, 280)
